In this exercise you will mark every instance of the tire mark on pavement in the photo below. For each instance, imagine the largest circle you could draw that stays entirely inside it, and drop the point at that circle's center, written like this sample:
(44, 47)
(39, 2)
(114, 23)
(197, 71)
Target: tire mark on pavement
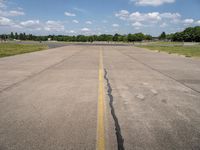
(120, 140)
(37, 73)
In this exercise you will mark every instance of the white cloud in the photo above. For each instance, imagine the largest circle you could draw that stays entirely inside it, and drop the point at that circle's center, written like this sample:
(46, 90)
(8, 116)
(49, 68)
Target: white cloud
(115, 25)
(70, 14)
(137, 24)
(16, 13)
(72, 31)
(198, 22)
(188, 21)
(2, 4)
(151, 2)
(79, 9)
(54, 26)
(137, 28)
(163, 25)
(155, 21)
(151, 17)
(170, 15)
(85, 30)
(122, 14)
(75, 21)
(31, 24)
(12, 13)
(4, 12)
(5, 21)
(88, 22)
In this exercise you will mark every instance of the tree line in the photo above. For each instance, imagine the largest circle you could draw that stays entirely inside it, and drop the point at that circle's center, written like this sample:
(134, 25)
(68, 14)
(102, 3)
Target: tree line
(78, 38)
(190, 34)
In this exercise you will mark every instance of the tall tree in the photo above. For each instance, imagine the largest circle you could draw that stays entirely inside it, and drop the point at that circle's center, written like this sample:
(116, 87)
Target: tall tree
(16, 35)
(162, 36)
(12, 35)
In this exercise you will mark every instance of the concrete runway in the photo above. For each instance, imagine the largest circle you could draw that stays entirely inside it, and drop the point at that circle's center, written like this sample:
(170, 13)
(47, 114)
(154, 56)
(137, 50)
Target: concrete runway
(49, 100)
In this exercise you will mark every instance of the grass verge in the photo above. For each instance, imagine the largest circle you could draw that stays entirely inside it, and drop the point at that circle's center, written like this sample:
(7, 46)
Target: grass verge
(10, 49)
(188, 51)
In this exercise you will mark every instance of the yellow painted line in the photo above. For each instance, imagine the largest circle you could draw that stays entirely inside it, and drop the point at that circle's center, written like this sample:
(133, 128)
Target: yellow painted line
(100, 117)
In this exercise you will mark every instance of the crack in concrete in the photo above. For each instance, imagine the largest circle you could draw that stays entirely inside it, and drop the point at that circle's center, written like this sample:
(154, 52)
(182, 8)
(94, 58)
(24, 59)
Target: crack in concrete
(120, 140)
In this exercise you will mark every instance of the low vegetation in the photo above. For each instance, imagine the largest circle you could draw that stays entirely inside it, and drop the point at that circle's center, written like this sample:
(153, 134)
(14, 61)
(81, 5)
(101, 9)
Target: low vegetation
(9, 49)
(178, 48)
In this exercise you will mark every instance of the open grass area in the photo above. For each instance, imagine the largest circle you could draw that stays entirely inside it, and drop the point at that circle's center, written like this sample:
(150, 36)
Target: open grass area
(9, 49)
(188, 51)
(160, 43)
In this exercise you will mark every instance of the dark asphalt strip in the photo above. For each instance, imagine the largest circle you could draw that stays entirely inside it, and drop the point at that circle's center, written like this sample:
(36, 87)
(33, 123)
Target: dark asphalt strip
(120, 140)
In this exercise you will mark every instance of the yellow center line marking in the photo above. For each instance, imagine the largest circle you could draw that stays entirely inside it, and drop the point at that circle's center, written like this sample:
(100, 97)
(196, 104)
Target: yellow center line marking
(100, 117)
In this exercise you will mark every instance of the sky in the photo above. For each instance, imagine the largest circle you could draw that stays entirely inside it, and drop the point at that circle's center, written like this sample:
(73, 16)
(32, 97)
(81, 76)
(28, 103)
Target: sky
(88, 17)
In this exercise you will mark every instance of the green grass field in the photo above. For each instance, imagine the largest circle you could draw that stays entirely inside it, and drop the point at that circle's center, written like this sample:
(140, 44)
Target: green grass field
(177, 48)
(158, 43)
(9, 49)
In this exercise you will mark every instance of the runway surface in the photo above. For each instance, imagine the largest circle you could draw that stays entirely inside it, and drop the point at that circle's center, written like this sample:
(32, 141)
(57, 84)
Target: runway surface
(82, 97)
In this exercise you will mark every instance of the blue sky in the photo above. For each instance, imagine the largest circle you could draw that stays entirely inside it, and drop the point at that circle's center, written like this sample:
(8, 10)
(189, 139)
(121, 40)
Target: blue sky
(72, 17)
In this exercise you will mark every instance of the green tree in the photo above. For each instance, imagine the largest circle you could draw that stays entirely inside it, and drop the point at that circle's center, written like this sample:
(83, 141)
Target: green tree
(139, 36)
(12, 35)
(162, 36)
(131, 38)
(116, 37)
(148, 37)
(196, 34)
(16, 36)
(91, 39)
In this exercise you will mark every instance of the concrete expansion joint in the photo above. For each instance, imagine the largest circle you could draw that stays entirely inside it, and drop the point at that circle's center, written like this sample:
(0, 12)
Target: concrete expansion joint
(120, 139)
(164, 74)
(38, 73)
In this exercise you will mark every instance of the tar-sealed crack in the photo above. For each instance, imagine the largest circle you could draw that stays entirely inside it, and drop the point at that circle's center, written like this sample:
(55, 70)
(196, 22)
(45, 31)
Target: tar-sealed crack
(120, 140)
